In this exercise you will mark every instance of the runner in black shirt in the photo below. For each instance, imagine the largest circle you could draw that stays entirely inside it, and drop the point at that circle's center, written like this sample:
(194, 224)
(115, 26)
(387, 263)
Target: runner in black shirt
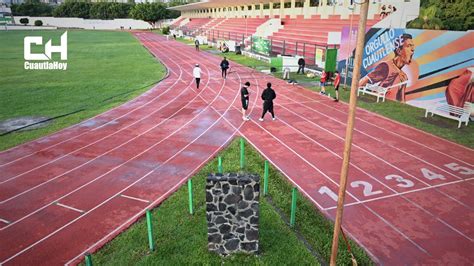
(224, 67)
(268, 96)
(244, 96)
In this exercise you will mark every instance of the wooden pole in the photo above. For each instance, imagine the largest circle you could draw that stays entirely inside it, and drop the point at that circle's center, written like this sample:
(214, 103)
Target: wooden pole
(350, 126)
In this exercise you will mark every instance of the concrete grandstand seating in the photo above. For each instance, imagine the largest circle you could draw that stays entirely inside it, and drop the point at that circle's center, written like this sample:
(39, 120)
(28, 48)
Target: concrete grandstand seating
(314, 30)
(176, 22)
(301, 36)
(235, 29)
(195, 24)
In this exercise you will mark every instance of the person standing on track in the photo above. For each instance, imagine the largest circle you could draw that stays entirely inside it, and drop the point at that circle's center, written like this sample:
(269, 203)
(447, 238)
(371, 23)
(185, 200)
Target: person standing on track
(322, 82)
(244, 96)
(197, 75)
(268, 96)
(224, 67)
(337, 81)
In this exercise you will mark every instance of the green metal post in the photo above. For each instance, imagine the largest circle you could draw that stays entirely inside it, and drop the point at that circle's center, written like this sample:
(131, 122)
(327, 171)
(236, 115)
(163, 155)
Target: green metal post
(293, 207)
(150, 231)
(265, 179)
(190, 190)
(242, 153)
(88, 259)
(219, 165)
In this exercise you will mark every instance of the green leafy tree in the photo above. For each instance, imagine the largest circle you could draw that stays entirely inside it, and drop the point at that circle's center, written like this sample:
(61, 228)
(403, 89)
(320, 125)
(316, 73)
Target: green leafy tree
(38, 23)
(149, 12)
(73, 9)
(449, 15)
(32, 8)
(427, 19)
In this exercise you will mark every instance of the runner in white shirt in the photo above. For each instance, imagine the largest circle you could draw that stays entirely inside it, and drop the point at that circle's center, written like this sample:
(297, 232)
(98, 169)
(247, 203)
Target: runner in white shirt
(197, 74)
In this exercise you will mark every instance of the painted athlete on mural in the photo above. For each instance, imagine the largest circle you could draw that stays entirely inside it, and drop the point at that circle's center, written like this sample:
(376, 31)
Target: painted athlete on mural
(389, 74)
(423, 68)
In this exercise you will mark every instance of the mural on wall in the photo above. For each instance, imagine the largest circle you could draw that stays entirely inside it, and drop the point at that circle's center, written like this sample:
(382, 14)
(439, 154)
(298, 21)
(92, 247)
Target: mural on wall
(420, 67)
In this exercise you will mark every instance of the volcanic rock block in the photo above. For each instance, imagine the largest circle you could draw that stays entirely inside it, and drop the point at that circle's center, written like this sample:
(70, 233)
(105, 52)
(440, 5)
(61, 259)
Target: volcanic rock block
(232, 211)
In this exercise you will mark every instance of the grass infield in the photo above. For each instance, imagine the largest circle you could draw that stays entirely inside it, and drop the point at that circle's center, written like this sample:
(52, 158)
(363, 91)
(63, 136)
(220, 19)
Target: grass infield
(181, 238)
(105, 69)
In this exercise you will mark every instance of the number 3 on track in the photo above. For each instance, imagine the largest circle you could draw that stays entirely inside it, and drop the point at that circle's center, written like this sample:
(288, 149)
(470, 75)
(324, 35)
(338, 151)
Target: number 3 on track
(404, 182)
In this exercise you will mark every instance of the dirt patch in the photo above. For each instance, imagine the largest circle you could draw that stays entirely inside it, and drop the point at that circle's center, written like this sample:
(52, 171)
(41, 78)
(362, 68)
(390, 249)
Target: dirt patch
(24, 123)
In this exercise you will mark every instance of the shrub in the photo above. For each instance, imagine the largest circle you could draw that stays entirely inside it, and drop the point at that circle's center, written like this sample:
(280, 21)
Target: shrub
(165, 30)
(24, 21)
(38, 23)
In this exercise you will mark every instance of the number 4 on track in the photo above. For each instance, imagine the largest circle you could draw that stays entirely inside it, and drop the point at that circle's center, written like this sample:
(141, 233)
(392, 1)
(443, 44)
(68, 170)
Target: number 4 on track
(430, 175)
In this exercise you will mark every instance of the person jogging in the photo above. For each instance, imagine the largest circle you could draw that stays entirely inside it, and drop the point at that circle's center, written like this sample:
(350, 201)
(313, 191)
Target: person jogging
(337, 81)
(197, 75)
(224, 67)
(244, 96)
(268, 96)
(196, 43)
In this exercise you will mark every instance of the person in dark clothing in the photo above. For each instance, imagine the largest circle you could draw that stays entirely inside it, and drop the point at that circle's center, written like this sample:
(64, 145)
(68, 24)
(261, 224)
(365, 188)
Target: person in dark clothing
(196, 43)
(301, 64)
(244, 96)
(224, 67)
(268, 96)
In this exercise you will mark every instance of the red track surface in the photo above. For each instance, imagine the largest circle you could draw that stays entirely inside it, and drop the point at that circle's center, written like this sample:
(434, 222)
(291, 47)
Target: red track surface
(409, 197)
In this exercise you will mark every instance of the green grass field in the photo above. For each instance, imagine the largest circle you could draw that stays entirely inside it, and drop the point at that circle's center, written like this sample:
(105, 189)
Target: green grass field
(105, 69)
(181, 238)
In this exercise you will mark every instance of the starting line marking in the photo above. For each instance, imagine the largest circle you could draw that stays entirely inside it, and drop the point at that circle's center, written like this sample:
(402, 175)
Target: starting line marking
(401, 193)
(133, 198)
(4, 221)
(69, 207)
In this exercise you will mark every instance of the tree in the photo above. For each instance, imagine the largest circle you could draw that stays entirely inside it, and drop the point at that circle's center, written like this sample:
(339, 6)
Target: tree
(449, 15)
(38, 23)
(427, 19)
(24, 21)
(32, 8)
(149, 12)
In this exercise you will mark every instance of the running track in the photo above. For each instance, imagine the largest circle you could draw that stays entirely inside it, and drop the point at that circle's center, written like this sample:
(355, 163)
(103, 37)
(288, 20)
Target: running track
(409, 194)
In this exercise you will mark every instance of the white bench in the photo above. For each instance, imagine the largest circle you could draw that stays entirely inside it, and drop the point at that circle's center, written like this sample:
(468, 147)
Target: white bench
(376, 90)
(460, 114)
(373, 89)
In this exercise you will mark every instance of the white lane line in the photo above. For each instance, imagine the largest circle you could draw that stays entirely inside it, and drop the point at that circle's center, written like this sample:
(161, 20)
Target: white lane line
(274, 164)
(69, 207)
(133, 198)
(105, 137)
(385, 143)
(120, 192)
(300, 156)
(4, 221)
(155, 87)
(388, 187)
(164, 196)
(106, 152)
(391, 132)
(384, 220)
(111, 170)
(371, 154)
(403, 193)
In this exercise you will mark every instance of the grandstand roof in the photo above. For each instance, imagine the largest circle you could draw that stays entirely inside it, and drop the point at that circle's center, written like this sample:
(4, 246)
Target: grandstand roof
(216, 3)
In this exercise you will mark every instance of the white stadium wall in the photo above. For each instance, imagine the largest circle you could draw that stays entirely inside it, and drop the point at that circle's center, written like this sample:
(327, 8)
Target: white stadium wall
(88, 23)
